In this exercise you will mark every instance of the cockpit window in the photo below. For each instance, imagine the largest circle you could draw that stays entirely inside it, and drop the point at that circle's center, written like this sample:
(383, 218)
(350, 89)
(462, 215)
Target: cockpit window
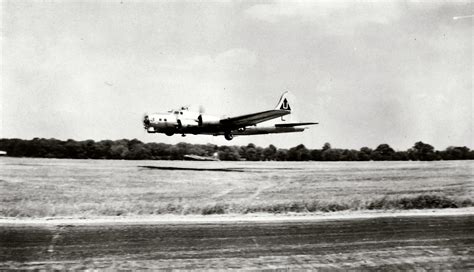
(176, 112)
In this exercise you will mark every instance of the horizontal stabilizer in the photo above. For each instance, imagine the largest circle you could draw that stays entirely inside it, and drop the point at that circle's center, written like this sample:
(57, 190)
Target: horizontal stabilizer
(295, 124)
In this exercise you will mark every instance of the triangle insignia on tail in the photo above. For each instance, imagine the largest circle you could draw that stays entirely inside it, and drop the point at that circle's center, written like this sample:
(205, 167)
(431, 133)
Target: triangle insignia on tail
(285, 105)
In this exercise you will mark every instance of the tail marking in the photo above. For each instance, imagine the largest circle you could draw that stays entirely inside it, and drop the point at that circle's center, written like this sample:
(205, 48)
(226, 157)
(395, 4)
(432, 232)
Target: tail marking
(283, 103)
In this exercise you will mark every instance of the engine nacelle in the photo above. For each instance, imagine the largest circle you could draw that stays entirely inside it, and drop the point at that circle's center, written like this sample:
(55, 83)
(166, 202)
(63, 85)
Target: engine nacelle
(209, 120)
(185, 122)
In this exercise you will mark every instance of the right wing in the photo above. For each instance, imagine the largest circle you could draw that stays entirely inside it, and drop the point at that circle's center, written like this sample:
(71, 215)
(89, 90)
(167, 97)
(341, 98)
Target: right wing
(253, 118)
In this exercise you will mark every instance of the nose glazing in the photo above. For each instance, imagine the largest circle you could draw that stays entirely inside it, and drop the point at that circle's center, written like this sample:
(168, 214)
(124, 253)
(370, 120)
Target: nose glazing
(146, 122)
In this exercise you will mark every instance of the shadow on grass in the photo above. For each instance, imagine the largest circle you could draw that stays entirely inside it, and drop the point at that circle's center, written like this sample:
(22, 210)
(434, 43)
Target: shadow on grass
(191, 169)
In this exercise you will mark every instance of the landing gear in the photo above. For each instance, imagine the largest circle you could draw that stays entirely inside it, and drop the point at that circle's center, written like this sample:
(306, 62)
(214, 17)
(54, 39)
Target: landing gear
(169, 133)
(183, 135)
(228, 136)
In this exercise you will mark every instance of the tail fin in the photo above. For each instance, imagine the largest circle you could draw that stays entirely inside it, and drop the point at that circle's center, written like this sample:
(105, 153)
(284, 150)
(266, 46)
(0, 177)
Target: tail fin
(283, 104)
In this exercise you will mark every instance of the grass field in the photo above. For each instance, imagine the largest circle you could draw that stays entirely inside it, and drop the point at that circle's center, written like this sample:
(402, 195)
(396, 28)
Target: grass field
(90, 188)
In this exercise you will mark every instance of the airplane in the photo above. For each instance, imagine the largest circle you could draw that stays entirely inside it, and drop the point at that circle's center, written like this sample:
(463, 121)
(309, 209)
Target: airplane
(185, 121)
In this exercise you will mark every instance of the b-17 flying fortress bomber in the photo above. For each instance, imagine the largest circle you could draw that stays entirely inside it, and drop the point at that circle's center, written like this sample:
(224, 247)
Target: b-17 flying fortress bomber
(185, 121)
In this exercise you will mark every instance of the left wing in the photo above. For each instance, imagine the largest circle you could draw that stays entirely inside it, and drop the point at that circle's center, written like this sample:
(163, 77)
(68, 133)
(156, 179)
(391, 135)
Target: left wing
(254, 118)
(295, 124)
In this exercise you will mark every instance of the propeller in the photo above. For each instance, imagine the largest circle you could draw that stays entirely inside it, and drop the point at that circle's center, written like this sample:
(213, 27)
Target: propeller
(201, 109)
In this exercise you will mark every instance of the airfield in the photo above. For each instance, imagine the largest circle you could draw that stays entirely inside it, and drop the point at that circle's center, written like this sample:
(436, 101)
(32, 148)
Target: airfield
(87, 214)
(400, 241)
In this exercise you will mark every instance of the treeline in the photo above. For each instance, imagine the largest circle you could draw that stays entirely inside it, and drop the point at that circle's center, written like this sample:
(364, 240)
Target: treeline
(137, 150)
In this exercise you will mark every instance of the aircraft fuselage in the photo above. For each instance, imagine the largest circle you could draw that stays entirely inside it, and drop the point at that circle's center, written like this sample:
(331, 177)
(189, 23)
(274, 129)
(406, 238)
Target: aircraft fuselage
(185, 121)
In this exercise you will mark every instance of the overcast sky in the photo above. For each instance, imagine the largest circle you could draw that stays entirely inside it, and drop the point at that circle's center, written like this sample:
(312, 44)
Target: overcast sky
(370, 73)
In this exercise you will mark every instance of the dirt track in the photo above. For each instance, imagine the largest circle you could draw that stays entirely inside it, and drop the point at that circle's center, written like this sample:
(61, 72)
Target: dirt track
(438, 242)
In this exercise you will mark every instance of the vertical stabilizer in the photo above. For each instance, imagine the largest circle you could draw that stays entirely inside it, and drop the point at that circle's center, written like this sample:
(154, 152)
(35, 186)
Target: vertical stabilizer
(283, 103)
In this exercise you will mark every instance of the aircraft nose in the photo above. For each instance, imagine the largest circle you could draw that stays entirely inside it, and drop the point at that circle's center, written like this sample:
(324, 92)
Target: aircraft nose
(146, 122)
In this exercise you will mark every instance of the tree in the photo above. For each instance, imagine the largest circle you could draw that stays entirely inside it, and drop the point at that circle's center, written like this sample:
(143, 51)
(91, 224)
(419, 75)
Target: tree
(316, 154)
(456, 153)
(103, 148)
(281, 155)
(269, 153)
(365, 153)
(299, 153)
(175, 153)
(74, 150)
(250, 152)
(118, 151)
(421, 151)
(326, 146)
(228, 153)
(331, 154)
(400, 156)
(137, 150)
(383, 152)
(350, 155)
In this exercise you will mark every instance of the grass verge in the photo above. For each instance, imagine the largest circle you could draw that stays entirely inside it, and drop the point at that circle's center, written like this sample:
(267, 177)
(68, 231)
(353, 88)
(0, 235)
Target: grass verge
(385, 203)
(426, 201)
